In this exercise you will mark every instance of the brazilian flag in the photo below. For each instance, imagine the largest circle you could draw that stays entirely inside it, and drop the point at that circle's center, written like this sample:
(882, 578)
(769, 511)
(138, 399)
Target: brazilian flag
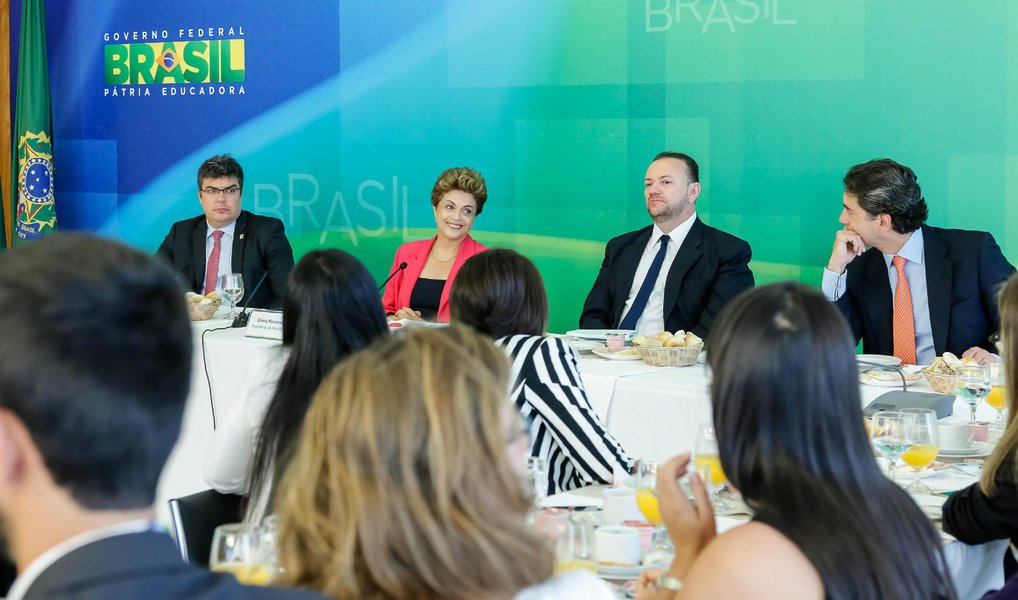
(34, 210)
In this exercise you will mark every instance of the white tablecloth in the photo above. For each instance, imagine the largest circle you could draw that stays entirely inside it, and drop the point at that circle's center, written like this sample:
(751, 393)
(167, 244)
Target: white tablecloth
(653, 411)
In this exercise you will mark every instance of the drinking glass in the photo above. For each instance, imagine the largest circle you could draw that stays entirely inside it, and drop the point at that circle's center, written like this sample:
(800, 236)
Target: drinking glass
(972, 383)
(646, 491)
(232, 286)
(237, 549)
(922, 431)
(574, 550)
(707, 463)
(888, 437)
(537, 473)
(997, 399)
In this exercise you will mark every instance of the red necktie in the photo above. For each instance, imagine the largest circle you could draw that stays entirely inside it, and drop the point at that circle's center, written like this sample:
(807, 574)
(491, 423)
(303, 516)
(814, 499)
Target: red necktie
(212, 268)
(904, 321)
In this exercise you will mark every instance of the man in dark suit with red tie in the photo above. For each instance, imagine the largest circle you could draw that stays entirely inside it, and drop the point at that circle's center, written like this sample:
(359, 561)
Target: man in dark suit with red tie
(227, 239)
(918, 291)
(675, 274)
(92, 395)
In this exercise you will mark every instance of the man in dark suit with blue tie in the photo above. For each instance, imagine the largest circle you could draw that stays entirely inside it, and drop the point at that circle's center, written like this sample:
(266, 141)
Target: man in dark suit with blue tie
(92, 393)
(675, 274)
(226, 239)
(918, 291)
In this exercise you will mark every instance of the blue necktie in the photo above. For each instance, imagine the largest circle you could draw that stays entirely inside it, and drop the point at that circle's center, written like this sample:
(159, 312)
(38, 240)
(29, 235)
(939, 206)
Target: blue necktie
(642, 296)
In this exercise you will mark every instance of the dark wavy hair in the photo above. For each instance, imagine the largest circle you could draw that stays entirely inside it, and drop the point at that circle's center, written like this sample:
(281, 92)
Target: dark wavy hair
(331, 310)
(790, 432)
(499, 292)
(887, 187)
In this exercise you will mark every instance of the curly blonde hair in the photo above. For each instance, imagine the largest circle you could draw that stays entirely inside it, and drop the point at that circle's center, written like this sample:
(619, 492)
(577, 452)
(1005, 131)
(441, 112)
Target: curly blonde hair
(401, 486)
(464, 179)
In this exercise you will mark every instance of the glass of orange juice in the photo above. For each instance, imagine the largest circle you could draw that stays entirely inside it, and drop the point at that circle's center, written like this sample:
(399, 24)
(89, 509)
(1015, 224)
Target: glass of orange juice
(646, 491)
(920, 430)
(997, 398)
(237, 549)
(574, 549)
(707, 460)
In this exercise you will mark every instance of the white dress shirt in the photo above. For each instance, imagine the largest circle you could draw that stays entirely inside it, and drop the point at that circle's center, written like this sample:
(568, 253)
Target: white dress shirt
(913, 251)
(225, 253)
(652, 321)
(45, 560)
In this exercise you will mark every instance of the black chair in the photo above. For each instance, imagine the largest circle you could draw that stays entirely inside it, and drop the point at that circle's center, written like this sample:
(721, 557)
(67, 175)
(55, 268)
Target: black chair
(195, 519)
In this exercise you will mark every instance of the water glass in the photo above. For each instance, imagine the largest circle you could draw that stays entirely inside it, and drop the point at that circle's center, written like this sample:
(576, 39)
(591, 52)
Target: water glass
(972, 383)
(232, 286)
(888, 437)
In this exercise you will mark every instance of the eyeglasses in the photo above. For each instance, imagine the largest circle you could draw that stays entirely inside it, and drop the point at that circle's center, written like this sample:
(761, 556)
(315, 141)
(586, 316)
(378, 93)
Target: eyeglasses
(228, 192)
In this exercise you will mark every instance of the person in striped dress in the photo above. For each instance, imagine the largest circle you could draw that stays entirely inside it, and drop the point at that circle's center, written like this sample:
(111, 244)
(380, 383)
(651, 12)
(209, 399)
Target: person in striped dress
(501, 294)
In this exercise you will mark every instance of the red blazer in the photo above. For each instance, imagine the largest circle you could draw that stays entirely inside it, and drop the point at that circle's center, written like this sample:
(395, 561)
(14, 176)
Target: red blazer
(398, 290)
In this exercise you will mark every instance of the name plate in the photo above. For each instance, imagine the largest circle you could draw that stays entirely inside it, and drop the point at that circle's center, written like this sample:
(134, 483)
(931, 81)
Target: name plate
(265, 324)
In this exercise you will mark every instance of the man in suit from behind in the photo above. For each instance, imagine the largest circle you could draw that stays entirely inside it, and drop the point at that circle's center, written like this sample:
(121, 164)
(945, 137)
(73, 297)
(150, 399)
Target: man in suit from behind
(226, 239)
(92, 393)
(675, 274)
(918, 291)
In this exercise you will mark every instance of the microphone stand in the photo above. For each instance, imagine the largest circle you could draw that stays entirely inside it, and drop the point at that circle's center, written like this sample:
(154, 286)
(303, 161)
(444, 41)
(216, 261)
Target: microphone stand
(241, 319)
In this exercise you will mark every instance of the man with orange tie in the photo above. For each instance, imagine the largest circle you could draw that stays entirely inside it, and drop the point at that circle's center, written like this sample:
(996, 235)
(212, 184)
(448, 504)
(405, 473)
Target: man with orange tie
(226, 239)
(918, 291)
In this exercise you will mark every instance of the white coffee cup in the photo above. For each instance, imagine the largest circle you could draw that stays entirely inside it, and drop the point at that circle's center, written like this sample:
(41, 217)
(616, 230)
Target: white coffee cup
(955, 436)
(617, 545)
(619, 505)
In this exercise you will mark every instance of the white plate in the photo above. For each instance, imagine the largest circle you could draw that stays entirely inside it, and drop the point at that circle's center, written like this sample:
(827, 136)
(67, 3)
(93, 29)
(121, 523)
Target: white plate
(606, 572)
(583, 345)
(599, 334)
(892, 378)
(978, 450)
(882, 360)
(604, 352)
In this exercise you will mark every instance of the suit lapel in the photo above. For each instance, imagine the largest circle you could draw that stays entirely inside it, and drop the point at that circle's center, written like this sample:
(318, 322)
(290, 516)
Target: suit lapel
(239, 243)
(626, 264)
(878, 300)
(198, 252)
(413, 270)
(689, 252)
(938, 286)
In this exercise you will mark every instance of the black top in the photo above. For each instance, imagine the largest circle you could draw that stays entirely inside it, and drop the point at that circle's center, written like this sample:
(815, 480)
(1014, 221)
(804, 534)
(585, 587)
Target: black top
(974, 518)
(426, 296)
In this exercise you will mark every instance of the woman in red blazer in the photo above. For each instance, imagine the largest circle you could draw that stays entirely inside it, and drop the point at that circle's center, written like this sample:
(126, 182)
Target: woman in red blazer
(421, 289)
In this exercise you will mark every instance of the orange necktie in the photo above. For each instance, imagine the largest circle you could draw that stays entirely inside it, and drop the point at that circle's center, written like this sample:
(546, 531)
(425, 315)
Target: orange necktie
(904, 321)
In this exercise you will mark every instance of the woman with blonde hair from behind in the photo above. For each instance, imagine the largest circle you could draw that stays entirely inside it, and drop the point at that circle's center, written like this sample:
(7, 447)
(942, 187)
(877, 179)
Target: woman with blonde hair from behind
(988, 510)
(407, 482)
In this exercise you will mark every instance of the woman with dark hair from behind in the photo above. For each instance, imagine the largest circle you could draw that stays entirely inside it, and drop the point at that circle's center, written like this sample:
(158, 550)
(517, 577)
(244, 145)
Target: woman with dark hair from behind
(331, 310)
(501, 294)
(791, 436)
(988, 510)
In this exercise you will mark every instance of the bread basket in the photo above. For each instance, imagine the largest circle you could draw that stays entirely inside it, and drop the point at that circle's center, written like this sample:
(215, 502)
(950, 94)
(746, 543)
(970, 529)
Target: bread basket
(202, 312)
(940, 382)
(680, 356)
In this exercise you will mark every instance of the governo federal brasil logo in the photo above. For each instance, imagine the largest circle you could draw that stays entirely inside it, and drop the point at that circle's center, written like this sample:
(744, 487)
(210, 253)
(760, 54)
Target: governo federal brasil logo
(195, 63)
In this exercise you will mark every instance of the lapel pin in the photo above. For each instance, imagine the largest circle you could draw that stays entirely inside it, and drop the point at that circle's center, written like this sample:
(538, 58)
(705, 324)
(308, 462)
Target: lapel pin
(242, 236)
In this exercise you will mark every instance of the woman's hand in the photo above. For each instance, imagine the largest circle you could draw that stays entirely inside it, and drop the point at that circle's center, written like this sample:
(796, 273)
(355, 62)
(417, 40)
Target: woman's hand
(690, 527)
(646, 585)
(407, 313)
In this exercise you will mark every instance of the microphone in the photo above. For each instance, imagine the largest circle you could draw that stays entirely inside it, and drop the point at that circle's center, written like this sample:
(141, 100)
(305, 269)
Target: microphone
(241, 319)
(401, 266)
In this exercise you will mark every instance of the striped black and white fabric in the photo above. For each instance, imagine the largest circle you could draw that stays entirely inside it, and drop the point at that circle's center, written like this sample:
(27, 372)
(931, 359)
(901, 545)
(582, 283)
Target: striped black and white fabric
(564, 429)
